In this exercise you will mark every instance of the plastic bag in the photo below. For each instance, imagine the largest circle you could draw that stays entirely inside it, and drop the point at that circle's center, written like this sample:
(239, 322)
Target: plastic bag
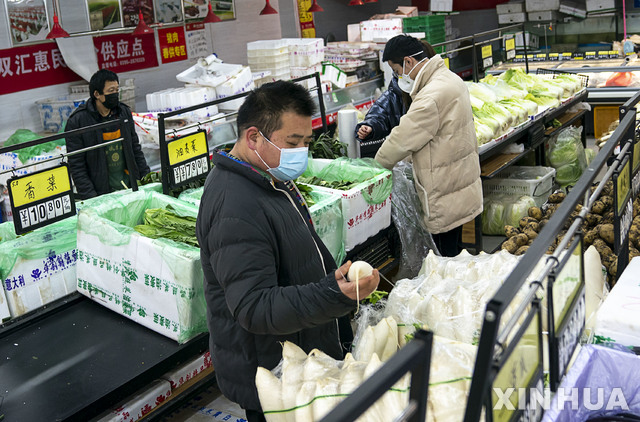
(353, 170)
(567, 155)
(406, 212)
(493, 215)
(7, 231)
(517, 210)
(21, 136)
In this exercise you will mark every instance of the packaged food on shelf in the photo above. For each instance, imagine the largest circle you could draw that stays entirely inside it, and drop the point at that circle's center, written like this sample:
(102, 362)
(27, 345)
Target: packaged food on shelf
(155, 282)
(141, 404)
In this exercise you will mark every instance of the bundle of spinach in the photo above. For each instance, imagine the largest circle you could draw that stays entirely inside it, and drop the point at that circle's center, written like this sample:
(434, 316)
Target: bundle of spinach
(326, 146)
(313, 180)
(306, 194)
(167, 224)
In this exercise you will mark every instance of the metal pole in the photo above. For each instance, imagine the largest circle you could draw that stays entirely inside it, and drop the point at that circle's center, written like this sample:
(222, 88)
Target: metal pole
(524, 43)
(164, 155)
(129, 158)
(323, 114)
(475, 60)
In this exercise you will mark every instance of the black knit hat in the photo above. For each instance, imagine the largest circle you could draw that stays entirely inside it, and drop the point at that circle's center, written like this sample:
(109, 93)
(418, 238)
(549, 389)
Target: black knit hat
(402, 46)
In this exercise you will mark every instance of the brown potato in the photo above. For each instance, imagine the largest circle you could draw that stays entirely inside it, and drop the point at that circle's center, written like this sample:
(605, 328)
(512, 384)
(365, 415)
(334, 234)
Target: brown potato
(607, 201)
(521, 250)
(529, 242)
(556, 198)
(533, 226)
(607, 218)
(593, 219)
(535, 212)
(590, 236)
(510, 231)
(510, 246)
(598, 207)
(531, 234)
(550, 250)
(521, 239)
(542, 223)
(613, 267)
(605, 231)
(633, 252)
(608, 188)
(526, 220)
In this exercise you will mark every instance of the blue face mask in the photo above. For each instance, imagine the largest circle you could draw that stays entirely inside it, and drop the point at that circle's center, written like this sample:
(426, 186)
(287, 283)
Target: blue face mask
(293, 162)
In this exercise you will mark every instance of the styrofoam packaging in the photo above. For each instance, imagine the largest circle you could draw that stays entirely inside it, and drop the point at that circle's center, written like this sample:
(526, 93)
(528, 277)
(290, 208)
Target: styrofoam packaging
(267, 47)
(512, 18)
(157, 283)
(332, 73)
(212, 75)
(380, 28)
(617, 319)
(238, 83)
(188, 371)
(510, 7)
(546, 16)
(541, 5)
(600, 5)
(141, 404)
(441, 5)
(573, 9)
(361, 220)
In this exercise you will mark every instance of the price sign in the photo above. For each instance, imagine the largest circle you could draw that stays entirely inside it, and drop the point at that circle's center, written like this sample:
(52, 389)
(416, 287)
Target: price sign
(613, 54)
(530, 56)
(603, 54)
(578, 56)
(519, 58)
(188, 159)
(566, 56)
(510, 47)
(567, 310)
(520, 372)
(554, 56)
(541, 56)
(487, 56)
(446, 62)
(41, 198)
(636, 157)
(623, 206)
(589, 55)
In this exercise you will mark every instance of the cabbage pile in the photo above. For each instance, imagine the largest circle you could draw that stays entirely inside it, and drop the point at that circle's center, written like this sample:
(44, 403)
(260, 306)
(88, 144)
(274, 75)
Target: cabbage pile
(504, 210)
(500, 103)
(567, 155)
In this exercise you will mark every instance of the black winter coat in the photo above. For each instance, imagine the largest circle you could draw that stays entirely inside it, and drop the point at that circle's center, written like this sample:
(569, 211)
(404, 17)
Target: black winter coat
(89, 170)
(268, 277)
(385, 113)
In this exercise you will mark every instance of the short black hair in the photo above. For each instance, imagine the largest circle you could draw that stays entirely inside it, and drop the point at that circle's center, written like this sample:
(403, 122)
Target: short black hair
(99, 79)
(264, 107)
(402, 46)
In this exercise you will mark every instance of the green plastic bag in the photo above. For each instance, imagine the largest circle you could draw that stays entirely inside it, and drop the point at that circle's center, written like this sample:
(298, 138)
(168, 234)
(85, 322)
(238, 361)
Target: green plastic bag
(7, 231)
(327, 219)
(21, 136)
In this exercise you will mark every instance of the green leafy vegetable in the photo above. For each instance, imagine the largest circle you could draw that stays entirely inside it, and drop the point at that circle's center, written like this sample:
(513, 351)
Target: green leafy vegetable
(376, 296)
(165, 223)
(339, 184)
(325, 146)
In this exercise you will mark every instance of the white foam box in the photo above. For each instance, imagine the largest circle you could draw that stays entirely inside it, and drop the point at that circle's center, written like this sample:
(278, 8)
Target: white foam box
(240, 82)
(380, 28)
(545, 16)
(157, 283)
(361, 220)
(617, 319)
(441, 5)
(542, 5)
(510, 7)
(512, 18)
(332, 73)
(573, 9)
(188, 371)
(141, 404)
(600, 5)
(10, 160)
(39, 267)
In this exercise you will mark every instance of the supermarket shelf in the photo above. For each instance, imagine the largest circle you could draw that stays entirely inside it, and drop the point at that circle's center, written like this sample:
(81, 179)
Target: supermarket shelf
(514, 136)
(77, 362)
(566, 120)
(558, 111)
(497, 163)
(611, 94)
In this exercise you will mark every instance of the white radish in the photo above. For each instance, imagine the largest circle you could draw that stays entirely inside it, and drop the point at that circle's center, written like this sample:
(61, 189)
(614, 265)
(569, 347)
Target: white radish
(327, 398)
(304, 407)
(292, 351)
(392, 339)
(358, 270)
(270, 394)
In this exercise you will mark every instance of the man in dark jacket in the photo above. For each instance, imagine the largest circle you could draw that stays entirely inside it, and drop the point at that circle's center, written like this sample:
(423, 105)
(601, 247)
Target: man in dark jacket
(103, 170)
(383, 115)
(268, 276)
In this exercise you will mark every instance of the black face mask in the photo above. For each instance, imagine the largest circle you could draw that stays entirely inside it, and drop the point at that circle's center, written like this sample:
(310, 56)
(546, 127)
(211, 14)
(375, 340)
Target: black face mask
(111, 100)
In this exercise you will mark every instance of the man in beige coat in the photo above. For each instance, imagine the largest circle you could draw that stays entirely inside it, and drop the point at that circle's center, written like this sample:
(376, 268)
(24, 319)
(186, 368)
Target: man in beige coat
(438, 133)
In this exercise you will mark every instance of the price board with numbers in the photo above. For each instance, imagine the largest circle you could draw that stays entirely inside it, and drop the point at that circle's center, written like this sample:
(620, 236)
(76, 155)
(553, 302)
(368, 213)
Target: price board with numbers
(623, 207)
(590, 55)
(554, 56)
(566, 56)
(41, 198)
(510, 47)
(188, 159)
(487, 56)
(566, 304)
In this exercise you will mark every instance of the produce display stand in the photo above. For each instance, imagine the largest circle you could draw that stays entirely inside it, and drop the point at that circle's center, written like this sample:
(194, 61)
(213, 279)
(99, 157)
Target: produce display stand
(415, 358)
(501, 348)
(72, 358)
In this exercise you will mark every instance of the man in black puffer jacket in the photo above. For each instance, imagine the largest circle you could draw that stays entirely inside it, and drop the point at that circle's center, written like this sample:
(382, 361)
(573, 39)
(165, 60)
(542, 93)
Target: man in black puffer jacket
(383, 115)
(103, 170)
(268, 276)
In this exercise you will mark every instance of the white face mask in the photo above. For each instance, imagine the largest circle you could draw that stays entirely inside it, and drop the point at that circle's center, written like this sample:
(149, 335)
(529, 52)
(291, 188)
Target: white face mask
(404, 81)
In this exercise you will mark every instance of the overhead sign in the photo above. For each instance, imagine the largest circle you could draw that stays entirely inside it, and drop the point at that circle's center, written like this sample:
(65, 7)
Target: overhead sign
(41, 198)
(173, 44)
(188, 159)
(126, 52)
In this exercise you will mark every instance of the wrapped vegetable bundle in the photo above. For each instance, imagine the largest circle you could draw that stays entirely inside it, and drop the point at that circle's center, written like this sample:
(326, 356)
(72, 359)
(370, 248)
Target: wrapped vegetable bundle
(566, 154)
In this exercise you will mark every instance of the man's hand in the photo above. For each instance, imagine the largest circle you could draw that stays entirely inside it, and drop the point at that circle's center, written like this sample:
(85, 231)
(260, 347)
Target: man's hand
(366, 285)
(364, 131)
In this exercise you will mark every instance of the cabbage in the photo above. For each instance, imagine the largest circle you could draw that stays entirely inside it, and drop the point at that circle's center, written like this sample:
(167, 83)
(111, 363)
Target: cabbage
(482, 92)
(543, 100)
(568, 87)
(546, 89)
(575, 79)
(519, 209)
(489, 79)
(568, 174)
(493, 217)
(590, 155)
(500, 113)
(519, 112)
(519, 79)
(530, 106)
(476, 102)
(481, 116)
(483, 132)
(504, 90)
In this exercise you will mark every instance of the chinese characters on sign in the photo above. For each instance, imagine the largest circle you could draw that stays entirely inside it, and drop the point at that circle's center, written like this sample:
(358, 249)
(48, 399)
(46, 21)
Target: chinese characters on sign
(126, 52)
(41, 198)
(196, 38)
(34, 66)
(173, 46)
(188, 158)
(306, 19)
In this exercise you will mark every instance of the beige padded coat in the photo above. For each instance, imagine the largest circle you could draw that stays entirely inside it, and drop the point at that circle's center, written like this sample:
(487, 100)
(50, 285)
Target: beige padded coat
(438, 133)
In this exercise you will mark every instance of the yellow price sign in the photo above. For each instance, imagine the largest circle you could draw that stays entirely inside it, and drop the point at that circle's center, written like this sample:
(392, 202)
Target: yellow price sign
(566, 55)
(590, 53)
(39, 186)
(624, 186)
(487, 51)
(510, 44)
(541, 56)
(553, 54)
(529, 56)
(446, 62)
(636, 155)
(187, 148)
(519, 56)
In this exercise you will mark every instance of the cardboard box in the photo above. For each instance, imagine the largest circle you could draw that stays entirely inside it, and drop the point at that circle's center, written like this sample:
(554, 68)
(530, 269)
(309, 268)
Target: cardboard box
(573, 9)
(361, 219)
(380, 29)
(141, 404)
(186, 372)
(401, 12)
(441, 5)
(600, 5)
(511, 7)
(542, 5)
(512, 18)
(157, 283)
(545, 16)
(617, 319)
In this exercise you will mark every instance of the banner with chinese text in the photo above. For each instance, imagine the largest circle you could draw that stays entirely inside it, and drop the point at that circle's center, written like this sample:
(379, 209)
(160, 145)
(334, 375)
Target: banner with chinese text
(307, 28)
(126, 52)
(173, 45)
(33, 66)
(197, 44)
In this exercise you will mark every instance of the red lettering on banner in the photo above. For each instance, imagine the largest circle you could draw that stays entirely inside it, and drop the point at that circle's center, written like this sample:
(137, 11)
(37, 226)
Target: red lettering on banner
(173, 44)
(33, 66)
(126, 52)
